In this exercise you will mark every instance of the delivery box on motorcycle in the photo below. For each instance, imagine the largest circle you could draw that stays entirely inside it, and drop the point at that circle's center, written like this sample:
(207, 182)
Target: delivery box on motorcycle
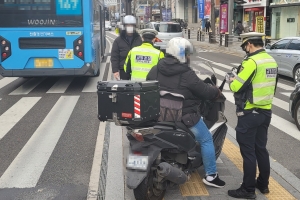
(128, 102)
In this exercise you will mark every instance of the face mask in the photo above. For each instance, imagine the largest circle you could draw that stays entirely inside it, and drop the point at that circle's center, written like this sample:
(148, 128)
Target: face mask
(245, 49)
(129, 29)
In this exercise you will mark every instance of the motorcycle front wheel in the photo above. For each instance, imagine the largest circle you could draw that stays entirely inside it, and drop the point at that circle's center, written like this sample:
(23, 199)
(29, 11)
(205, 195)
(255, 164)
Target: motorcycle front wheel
(147, 191)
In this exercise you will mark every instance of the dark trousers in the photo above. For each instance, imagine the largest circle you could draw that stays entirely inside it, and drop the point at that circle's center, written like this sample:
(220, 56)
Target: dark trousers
(251, 134)
(124, 75)
(206, 29)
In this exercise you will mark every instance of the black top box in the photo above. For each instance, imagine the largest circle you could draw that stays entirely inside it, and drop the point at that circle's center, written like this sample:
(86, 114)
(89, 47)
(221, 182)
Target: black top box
(128, 102)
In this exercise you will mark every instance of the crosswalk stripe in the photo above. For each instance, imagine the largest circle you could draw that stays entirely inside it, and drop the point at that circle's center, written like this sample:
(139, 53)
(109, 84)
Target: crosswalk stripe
(13, 115)
(236, 64)
(91, 84)
(27, 87)
(7, 80)
(61, 86)
(288, 94)
(277, 102)
(278, 122)
(27, 167)
(227, 67)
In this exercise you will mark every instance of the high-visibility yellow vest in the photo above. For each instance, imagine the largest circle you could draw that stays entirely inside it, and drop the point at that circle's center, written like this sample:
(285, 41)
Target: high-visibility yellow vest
(263, 82)
(142, 59)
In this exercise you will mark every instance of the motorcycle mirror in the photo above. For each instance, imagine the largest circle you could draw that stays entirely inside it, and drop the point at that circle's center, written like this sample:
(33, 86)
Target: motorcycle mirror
(222, 85)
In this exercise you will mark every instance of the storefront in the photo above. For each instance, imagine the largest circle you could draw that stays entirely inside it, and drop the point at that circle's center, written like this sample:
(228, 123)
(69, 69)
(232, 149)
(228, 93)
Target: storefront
(285, 20)
(254, 15)
(254, 18)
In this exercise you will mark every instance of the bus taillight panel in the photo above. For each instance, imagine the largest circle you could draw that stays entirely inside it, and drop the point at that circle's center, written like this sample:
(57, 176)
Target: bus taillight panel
(78, 47)
(5, 49)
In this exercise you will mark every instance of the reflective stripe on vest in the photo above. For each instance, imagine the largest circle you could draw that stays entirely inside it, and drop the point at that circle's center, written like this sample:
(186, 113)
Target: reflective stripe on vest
(264, 81)
(142, 60)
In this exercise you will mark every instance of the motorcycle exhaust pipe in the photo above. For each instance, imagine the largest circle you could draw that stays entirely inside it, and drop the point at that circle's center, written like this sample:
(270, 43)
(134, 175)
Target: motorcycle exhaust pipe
(171, 173)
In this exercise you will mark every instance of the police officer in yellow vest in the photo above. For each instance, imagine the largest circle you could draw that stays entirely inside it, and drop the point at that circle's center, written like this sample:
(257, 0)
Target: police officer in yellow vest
(141, 59)
(254, 86)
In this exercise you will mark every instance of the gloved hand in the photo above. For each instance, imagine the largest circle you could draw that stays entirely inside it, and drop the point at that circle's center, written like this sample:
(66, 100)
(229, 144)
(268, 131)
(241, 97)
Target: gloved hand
(228, 76)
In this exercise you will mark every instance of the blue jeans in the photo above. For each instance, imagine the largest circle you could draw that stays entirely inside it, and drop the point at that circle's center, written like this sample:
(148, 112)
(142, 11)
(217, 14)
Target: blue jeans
(204, 137)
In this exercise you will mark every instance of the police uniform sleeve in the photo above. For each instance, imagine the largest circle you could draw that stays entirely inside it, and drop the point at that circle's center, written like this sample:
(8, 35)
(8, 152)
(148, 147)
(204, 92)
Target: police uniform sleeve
(244, 77)
(127, 64)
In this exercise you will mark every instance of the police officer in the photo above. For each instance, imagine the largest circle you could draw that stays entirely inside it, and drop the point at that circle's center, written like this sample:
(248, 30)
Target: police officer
(141, 59)
(128, 39)
(254, 87)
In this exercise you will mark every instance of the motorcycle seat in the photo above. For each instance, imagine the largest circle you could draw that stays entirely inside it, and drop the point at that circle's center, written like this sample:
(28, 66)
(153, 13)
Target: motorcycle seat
(175, 126)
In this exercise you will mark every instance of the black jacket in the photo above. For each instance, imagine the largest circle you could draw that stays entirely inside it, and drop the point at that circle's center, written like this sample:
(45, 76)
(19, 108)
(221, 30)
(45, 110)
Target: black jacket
(180, 78)
(120, 49)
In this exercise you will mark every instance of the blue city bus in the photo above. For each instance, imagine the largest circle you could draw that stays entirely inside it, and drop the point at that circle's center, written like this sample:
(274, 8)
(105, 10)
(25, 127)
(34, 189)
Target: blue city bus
(51, 37)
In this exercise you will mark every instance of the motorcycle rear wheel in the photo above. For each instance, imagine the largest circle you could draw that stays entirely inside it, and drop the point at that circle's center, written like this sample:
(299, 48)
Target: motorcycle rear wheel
(147, 191)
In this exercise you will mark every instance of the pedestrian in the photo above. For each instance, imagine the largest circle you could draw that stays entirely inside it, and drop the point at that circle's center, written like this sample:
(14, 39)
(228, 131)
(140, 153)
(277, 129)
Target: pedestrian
(207, 26)
(128, 39)
(141, 59)
(239, 29)
(254, 87)
(175, 75)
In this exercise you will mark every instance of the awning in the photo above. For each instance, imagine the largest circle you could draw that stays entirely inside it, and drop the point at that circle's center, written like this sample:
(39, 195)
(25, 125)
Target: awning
(284, 5)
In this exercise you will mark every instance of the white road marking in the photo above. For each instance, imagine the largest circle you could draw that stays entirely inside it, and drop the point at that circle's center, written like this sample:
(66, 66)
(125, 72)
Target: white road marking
(7, 80)
(288, 94)
(27, 87)
(14, 114)
(96, 167)
(61, 85)
(27, 167)
(91, 84)
(278, 122)
(236, 64)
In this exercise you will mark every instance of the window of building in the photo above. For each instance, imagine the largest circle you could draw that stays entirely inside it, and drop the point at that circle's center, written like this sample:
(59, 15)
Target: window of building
(281, 44)
(294, 45)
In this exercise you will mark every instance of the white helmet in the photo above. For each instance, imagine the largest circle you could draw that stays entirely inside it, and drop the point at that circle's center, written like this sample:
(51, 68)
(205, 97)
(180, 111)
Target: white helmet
(179, 47)
(129, 19)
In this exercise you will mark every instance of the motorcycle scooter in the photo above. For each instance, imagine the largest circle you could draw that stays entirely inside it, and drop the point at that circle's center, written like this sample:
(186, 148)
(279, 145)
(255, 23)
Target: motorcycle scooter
(164, 153)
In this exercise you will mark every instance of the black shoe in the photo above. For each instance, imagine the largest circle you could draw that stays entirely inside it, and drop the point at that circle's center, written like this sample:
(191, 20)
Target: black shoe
(263, 190)
(214, 181)
(241, 193)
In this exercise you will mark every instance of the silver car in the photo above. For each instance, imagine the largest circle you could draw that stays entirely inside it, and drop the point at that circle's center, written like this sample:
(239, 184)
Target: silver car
(166, 31)
(286, 52)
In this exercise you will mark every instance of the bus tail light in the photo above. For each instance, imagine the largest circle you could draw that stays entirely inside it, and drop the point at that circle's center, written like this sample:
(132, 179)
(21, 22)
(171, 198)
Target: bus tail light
(78, 47)
(5, 49)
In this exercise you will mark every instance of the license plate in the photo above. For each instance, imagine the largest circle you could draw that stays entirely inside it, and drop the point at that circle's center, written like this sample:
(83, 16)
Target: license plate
(43, 63)
(137, 162)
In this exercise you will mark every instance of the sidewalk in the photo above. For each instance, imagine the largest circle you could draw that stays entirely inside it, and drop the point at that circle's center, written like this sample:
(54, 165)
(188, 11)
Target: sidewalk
(234, 48)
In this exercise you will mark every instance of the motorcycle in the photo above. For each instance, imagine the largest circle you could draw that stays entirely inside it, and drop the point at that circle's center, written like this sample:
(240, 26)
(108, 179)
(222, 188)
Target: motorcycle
(165, 153)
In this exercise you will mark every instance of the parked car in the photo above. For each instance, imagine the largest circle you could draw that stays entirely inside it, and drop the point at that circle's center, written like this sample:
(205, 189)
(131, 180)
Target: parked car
(294, 106)
(287, 55)
(113, 23)
(166, 31)
(107, 26)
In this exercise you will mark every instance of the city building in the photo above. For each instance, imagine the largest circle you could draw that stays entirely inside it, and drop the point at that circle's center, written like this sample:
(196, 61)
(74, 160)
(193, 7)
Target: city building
(285, 19)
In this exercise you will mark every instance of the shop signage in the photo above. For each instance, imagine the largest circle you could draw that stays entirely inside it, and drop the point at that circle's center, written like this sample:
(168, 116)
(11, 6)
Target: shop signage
(290, 20)
(223, 18)
(207, 9)
(260, 24)
(201, 9)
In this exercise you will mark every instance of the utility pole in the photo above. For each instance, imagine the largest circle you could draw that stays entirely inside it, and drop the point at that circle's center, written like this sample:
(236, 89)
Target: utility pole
(230, 20)
(166, 9)
(213, 20)
(128, 7)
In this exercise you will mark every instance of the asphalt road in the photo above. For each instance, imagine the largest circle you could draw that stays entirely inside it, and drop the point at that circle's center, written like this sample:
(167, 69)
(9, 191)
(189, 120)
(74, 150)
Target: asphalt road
(49, 128)
(48, 134)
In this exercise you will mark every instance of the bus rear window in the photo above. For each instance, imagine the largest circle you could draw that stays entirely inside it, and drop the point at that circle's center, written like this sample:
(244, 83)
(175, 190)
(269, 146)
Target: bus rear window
(41, 13)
